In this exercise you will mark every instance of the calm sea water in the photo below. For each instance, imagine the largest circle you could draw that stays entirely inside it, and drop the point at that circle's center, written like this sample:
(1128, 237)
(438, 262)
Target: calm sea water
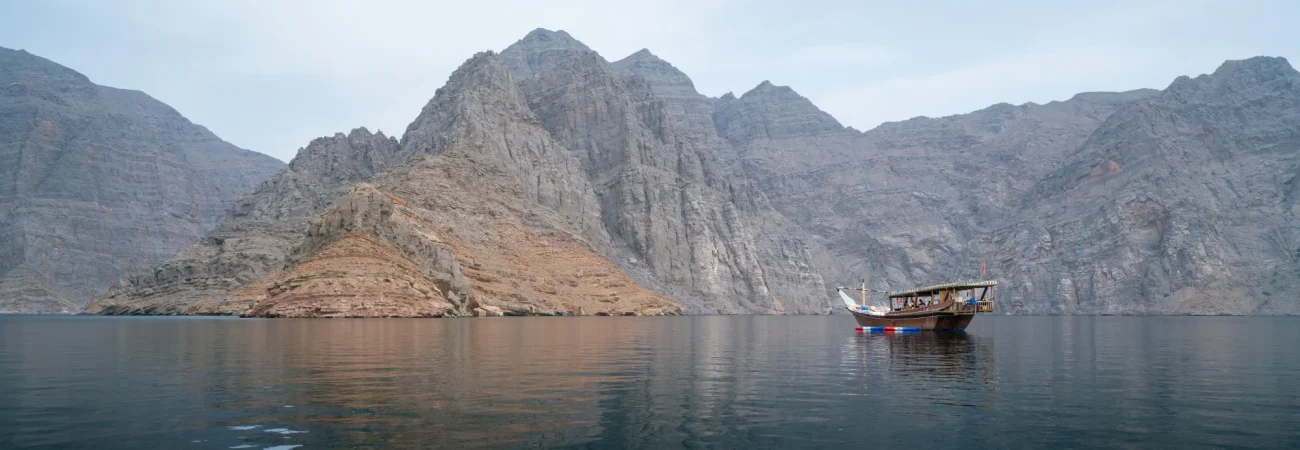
(613, 382)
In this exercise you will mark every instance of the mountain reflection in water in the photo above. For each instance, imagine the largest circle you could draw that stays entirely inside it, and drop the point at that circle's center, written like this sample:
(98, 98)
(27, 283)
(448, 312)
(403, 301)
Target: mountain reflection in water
(615, 382)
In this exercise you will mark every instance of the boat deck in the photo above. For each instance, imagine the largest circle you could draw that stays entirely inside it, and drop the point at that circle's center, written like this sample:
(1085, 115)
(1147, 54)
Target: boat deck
(941, 307)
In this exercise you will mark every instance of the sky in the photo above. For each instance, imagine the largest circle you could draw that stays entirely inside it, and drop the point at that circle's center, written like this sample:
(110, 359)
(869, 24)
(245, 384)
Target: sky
(270, 75)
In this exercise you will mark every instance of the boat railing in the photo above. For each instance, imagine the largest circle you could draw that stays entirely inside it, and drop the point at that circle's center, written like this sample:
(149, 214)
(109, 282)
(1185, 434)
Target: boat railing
(981, 306)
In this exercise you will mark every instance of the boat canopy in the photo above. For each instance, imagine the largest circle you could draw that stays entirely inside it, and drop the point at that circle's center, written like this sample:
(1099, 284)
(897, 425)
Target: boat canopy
(930, 290)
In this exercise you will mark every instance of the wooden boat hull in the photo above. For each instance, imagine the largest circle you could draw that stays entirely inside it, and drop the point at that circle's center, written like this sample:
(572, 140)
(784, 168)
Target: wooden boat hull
(936, 321)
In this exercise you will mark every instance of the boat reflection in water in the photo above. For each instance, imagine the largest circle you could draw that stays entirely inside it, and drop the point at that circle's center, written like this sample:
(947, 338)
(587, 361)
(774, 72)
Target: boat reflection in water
(947, 369)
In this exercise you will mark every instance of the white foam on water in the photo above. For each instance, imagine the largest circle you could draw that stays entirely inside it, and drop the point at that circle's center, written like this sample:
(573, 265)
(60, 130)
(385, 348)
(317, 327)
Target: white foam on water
(283, 431)
(288, 406)
(243, 446)
(283, 447)
(244, 427)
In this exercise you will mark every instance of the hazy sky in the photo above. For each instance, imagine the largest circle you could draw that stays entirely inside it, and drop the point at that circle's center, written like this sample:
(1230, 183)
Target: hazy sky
(270, 75)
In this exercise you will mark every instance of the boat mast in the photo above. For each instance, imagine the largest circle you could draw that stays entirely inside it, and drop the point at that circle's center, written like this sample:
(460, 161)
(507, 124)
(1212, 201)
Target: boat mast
(866, 273)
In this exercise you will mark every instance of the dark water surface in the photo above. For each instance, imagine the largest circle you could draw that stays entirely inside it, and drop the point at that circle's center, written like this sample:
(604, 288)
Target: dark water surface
(614, 382)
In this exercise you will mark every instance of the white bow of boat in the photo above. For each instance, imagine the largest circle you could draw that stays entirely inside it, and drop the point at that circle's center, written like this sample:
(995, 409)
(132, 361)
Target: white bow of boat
(873, 310)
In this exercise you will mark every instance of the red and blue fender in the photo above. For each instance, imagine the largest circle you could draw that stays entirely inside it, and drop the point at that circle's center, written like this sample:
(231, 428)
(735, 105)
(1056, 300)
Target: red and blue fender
(888, 329)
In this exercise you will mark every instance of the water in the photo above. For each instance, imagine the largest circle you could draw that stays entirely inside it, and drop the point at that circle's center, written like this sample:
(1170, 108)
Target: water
(615, 382)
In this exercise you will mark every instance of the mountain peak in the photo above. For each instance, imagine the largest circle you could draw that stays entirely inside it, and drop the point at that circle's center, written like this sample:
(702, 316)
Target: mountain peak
(482, 83)
(1259, 65)
(483, 69)
(642, 55)
(1112, 97)
(771, 111)
(544, 39)
(363, 133)
(664, 78)
(539, 49)
(1261, 74)
(17, 65)
(767, 89)
(643, 58)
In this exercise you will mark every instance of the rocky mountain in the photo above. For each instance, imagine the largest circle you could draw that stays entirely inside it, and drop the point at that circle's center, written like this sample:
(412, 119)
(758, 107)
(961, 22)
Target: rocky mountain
(476, 208)
(1142, 202)
(548, 180)
(627, 184)
(1182, 202)
(97, 183)
(902, 204)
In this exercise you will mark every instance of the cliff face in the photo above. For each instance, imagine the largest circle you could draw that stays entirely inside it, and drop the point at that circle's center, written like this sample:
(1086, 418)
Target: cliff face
(902, 204)
(671, 197)
(1142, 202)
(1183, 202)
(98, 183)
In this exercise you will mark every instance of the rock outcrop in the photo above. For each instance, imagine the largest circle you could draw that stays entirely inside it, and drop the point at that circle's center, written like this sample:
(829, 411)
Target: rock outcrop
(258, 232)
(98, 183)
(363, 257)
